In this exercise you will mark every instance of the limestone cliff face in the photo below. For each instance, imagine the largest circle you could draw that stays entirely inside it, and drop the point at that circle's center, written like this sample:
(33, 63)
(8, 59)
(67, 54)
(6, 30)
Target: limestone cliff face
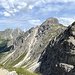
(27, 48)
(59, 56)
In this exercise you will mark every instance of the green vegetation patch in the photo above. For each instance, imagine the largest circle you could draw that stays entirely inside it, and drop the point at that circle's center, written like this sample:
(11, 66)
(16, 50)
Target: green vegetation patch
(18, 59)
(22, 71)
(3, 43)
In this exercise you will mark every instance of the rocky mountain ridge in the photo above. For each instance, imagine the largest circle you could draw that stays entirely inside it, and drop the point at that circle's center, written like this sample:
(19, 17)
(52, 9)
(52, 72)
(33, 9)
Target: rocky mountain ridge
(59, 55)
(6, 36)
(10, 33)
(26, 49)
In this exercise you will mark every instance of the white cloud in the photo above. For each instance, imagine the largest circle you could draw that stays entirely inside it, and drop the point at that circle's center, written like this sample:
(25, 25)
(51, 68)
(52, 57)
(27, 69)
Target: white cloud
(11, 1)
(22, 5)
(19, 7)
(30, 6)
(12, 6)
(10, 23)
(16, 5)
(6, 14)
(50, 9)
(60, 1)
(15, 10)
(34, 22)
(66, 20)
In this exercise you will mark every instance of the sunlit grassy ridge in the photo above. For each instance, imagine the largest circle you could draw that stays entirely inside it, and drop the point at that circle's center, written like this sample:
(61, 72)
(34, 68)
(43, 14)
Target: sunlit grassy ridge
(18, 59)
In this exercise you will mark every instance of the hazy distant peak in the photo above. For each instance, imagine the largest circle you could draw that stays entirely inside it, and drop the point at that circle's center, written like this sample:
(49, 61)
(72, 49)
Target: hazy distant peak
(8, 29)
(17, 29)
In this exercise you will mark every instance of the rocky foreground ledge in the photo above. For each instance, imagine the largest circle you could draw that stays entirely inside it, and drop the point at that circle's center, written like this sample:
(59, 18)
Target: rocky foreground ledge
(6, 72)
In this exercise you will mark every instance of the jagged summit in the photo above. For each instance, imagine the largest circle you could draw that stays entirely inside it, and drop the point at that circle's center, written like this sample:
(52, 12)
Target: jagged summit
(51, 21)
(8, 29)
(10, 33)
(18, 29)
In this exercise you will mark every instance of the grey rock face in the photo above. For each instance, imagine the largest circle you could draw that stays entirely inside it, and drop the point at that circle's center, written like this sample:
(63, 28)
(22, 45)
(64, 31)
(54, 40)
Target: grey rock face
(59, 55)
(7, 37)
(44, 33)
(10, 34)
(4, 34)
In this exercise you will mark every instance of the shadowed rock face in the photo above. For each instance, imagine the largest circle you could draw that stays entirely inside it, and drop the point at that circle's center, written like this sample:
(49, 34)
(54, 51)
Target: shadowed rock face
(59, 56)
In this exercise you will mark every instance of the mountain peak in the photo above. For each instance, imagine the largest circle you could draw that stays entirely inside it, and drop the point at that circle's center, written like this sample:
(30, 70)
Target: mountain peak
(8, 29)
(52, 20)
(17, 29)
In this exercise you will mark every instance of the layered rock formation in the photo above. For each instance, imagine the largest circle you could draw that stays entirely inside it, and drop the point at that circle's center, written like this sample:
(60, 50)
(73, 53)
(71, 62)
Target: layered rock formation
(59, 56)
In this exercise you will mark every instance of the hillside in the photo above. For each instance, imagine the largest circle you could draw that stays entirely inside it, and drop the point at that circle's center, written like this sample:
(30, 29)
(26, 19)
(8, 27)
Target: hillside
(24, 49)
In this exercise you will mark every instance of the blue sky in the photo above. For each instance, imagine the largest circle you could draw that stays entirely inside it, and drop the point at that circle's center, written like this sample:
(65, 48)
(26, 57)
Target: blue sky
(25, 14)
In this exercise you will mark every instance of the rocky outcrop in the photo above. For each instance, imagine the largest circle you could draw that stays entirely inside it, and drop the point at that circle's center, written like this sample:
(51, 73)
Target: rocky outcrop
(58, 57)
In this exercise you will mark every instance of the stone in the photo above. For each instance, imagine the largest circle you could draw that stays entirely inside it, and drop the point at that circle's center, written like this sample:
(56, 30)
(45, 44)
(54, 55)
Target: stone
(66, 67)
(12, 73)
